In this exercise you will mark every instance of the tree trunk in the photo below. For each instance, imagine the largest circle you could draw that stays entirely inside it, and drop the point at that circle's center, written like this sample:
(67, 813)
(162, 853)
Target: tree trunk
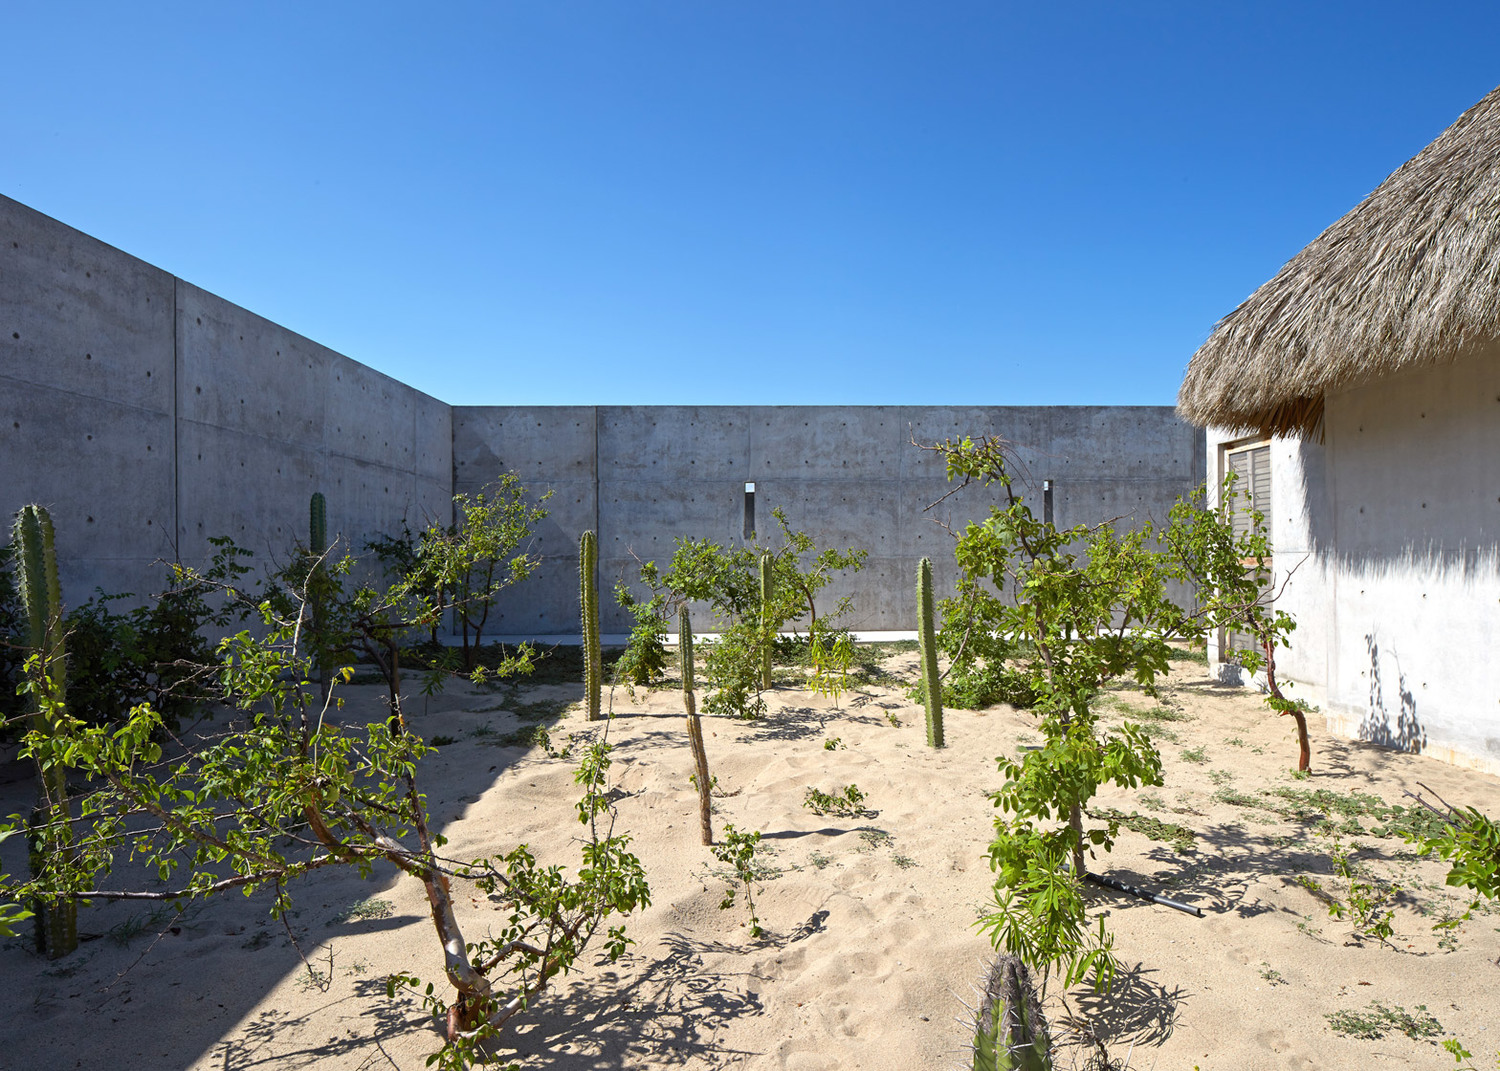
(1304, 748)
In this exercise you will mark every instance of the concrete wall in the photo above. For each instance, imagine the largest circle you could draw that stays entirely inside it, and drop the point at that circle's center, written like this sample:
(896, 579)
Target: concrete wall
(149, 415)
(644, 476)
(1393, 525)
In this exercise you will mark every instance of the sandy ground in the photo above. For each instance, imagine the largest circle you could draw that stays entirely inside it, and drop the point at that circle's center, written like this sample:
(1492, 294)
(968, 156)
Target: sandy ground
(870, 952)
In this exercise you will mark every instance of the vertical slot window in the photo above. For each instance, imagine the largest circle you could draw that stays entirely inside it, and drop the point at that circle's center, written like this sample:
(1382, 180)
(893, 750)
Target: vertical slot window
(1251, 465)
(1047, 501)
(749, 511)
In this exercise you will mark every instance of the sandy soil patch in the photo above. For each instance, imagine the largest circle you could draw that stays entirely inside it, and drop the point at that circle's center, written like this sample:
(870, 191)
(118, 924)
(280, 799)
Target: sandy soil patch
(870, 950)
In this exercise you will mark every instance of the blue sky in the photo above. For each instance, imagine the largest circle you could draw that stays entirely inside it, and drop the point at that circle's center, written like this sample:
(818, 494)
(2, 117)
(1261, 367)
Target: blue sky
(730, 202)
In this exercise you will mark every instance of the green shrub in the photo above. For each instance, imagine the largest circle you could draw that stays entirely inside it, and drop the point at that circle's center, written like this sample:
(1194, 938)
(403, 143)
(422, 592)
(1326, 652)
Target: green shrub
(748, 613)
(645, 659)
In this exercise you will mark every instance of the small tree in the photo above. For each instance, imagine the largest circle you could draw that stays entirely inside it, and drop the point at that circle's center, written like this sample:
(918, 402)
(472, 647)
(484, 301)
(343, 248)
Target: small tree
(749, 614)
(284, 789)
(645, 657)
(1232, 574)
(1089, 605)
(469, 563)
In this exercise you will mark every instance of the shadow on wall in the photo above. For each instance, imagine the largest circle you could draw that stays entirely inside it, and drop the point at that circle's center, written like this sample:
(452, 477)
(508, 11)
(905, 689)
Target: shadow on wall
(1407, 733)
(1378, 534)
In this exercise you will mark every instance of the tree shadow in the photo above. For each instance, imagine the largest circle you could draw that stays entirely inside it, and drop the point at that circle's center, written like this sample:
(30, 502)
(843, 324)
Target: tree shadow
(1136, 1010)
(667, 1014)
(803, 723)
(1408, 733)
(789, 723)
(826, 831)
(1218, 878)
(255, 1045)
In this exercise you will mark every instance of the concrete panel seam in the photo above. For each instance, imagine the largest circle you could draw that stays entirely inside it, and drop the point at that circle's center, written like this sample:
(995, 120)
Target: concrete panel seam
(92, 398)
(176, 432)
(301, 444)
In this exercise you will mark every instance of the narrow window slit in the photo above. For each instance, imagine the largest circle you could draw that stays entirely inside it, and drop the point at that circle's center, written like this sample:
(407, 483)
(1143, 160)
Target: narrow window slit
(749, 511)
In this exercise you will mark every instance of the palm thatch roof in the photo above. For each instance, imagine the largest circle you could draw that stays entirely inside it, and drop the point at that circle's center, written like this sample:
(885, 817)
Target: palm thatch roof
(1409, 278)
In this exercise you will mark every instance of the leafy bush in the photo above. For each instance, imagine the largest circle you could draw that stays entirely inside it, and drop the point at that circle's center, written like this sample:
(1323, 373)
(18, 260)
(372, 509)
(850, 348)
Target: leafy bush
(848, 802)
(645, 659)
(738, 851)
(728, 580)
(158, 652)
(1471, 842)
(731, 669)
(979, 671)
(1380, 1020)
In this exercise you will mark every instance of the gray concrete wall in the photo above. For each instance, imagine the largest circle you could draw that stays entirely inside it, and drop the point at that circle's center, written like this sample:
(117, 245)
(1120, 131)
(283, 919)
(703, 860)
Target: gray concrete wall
(1388, 534)
(644, 476)
(149, 415)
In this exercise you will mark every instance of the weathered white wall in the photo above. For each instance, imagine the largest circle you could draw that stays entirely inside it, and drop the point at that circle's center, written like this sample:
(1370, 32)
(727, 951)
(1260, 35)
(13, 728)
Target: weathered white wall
(1393, 524)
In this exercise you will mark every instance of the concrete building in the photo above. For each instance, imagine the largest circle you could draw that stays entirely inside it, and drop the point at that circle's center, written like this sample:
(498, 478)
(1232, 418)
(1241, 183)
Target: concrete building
(1359, 390)
(150, 415)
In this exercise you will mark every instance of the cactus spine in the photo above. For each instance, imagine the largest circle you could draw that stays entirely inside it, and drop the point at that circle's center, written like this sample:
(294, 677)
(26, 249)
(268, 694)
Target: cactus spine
(767, 621)
(51, 834)
(1010, 1033)
(588, 601)
(695, 726)
(932, 684)
(317, 543)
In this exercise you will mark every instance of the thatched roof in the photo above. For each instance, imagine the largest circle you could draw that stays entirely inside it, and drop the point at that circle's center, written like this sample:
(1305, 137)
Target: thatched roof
(1409, 278)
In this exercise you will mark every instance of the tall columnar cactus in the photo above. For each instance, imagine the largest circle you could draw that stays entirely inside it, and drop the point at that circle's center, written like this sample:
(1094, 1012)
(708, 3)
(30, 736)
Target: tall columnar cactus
(1010, 1033)
(767, 618)
(51, 829)
(588, 602)
(317, 545)
(932, 685)
(695, 726)
(317, 523)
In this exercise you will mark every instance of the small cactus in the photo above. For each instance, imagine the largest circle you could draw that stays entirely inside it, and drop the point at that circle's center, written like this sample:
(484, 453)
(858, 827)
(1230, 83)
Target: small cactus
(695, 726)
(1010, 1033)
(50, 834)
(932, 685)
(767, 621)
(588, 601)
(317, 523)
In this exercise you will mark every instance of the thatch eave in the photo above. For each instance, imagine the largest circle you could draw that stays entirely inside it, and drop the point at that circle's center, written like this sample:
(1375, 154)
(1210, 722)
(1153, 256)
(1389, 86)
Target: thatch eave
(1409, 278)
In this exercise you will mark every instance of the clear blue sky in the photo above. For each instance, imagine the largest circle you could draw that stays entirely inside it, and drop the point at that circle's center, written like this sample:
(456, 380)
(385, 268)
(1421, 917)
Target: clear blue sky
(726, 202)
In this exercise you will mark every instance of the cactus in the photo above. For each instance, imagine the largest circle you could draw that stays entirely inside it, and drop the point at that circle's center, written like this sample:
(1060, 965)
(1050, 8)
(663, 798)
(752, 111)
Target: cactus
(695, 726)
(317, 523)
(317, 544)
(588, 601)
(1010, 1033)
(767, 622)
(50, 833)
(932, 685)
